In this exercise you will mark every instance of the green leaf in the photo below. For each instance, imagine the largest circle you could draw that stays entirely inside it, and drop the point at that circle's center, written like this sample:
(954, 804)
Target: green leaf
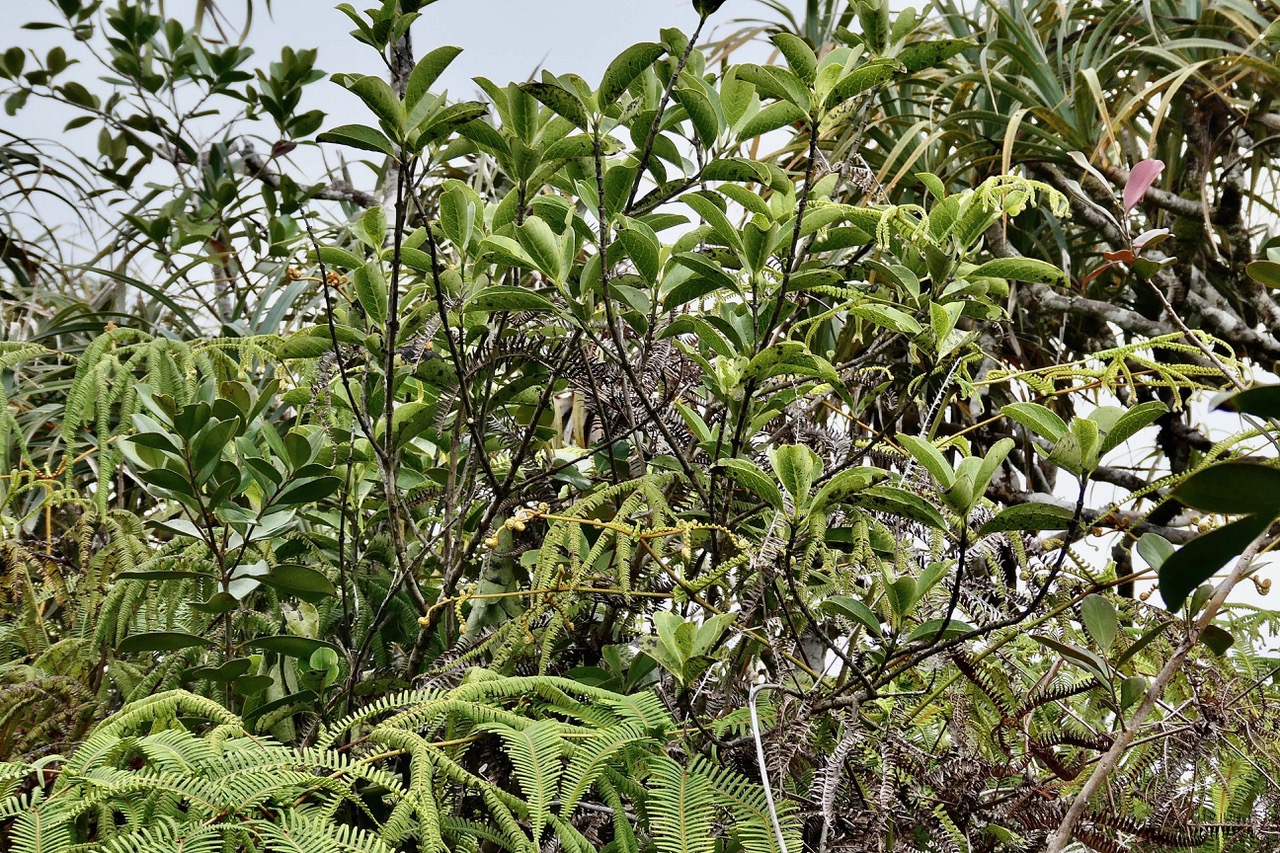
(702, 113)
(359, 136)
(1142, 642)
(1132, 689)
(629, 65)
(1029, 516)
(308, 490)
(1081, 657)
(371, 291)
(844, 485)
(930, 458)
(505, 298)
(163, 641)
(902, 596)
(933, 628)
(427, 71)
(1037, 418)
(1135, 419)
(508, 252)
(854, 609)
(304, 345)
(290, 646)
(1198, 560)
(1265, 273)
(382, 102)
(307, 584)
(990, 464)
(749, 475)
(1217, 639)
(1262, 401)
(928, 54)
(1155, 549)
(561, 101)
(801, 58)
(169, 479)
(900, 502)
(1022, 269)
(888, 317)
(796, 467)
(1100, 620)
(1233, 488)
(860, 79)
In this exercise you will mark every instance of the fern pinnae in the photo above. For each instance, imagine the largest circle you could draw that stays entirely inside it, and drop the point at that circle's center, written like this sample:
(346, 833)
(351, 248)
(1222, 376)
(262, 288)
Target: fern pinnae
(535, 752)
(682, 808)
(589, 759)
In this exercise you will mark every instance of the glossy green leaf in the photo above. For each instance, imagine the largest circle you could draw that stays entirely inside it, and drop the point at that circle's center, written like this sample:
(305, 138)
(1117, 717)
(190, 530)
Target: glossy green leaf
(359, 136)
(1262, 401)
(1233, 488)
(1201, 558)
(163, 641)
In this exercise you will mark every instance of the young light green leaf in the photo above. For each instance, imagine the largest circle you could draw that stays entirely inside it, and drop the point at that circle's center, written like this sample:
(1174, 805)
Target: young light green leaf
(796, 467)
(1135, 419)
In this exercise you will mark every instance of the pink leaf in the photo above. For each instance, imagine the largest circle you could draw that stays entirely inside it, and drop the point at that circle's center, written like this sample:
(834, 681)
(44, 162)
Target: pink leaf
(1144, 174)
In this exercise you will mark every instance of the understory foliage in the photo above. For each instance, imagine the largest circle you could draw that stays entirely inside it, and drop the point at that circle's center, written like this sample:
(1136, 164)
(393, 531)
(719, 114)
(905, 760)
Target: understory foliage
(718, 456)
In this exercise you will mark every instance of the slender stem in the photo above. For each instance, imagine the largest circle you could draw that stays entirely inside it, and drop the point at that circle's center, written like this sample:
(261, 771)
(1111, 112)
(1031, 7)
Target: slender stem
(1108, 762)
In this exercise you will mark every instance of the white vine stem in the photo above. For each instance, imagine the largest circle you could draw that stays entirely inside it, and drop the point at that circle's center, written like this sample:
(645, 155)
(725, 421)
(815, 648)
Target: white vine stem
(764, 770)
(1062, 836)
